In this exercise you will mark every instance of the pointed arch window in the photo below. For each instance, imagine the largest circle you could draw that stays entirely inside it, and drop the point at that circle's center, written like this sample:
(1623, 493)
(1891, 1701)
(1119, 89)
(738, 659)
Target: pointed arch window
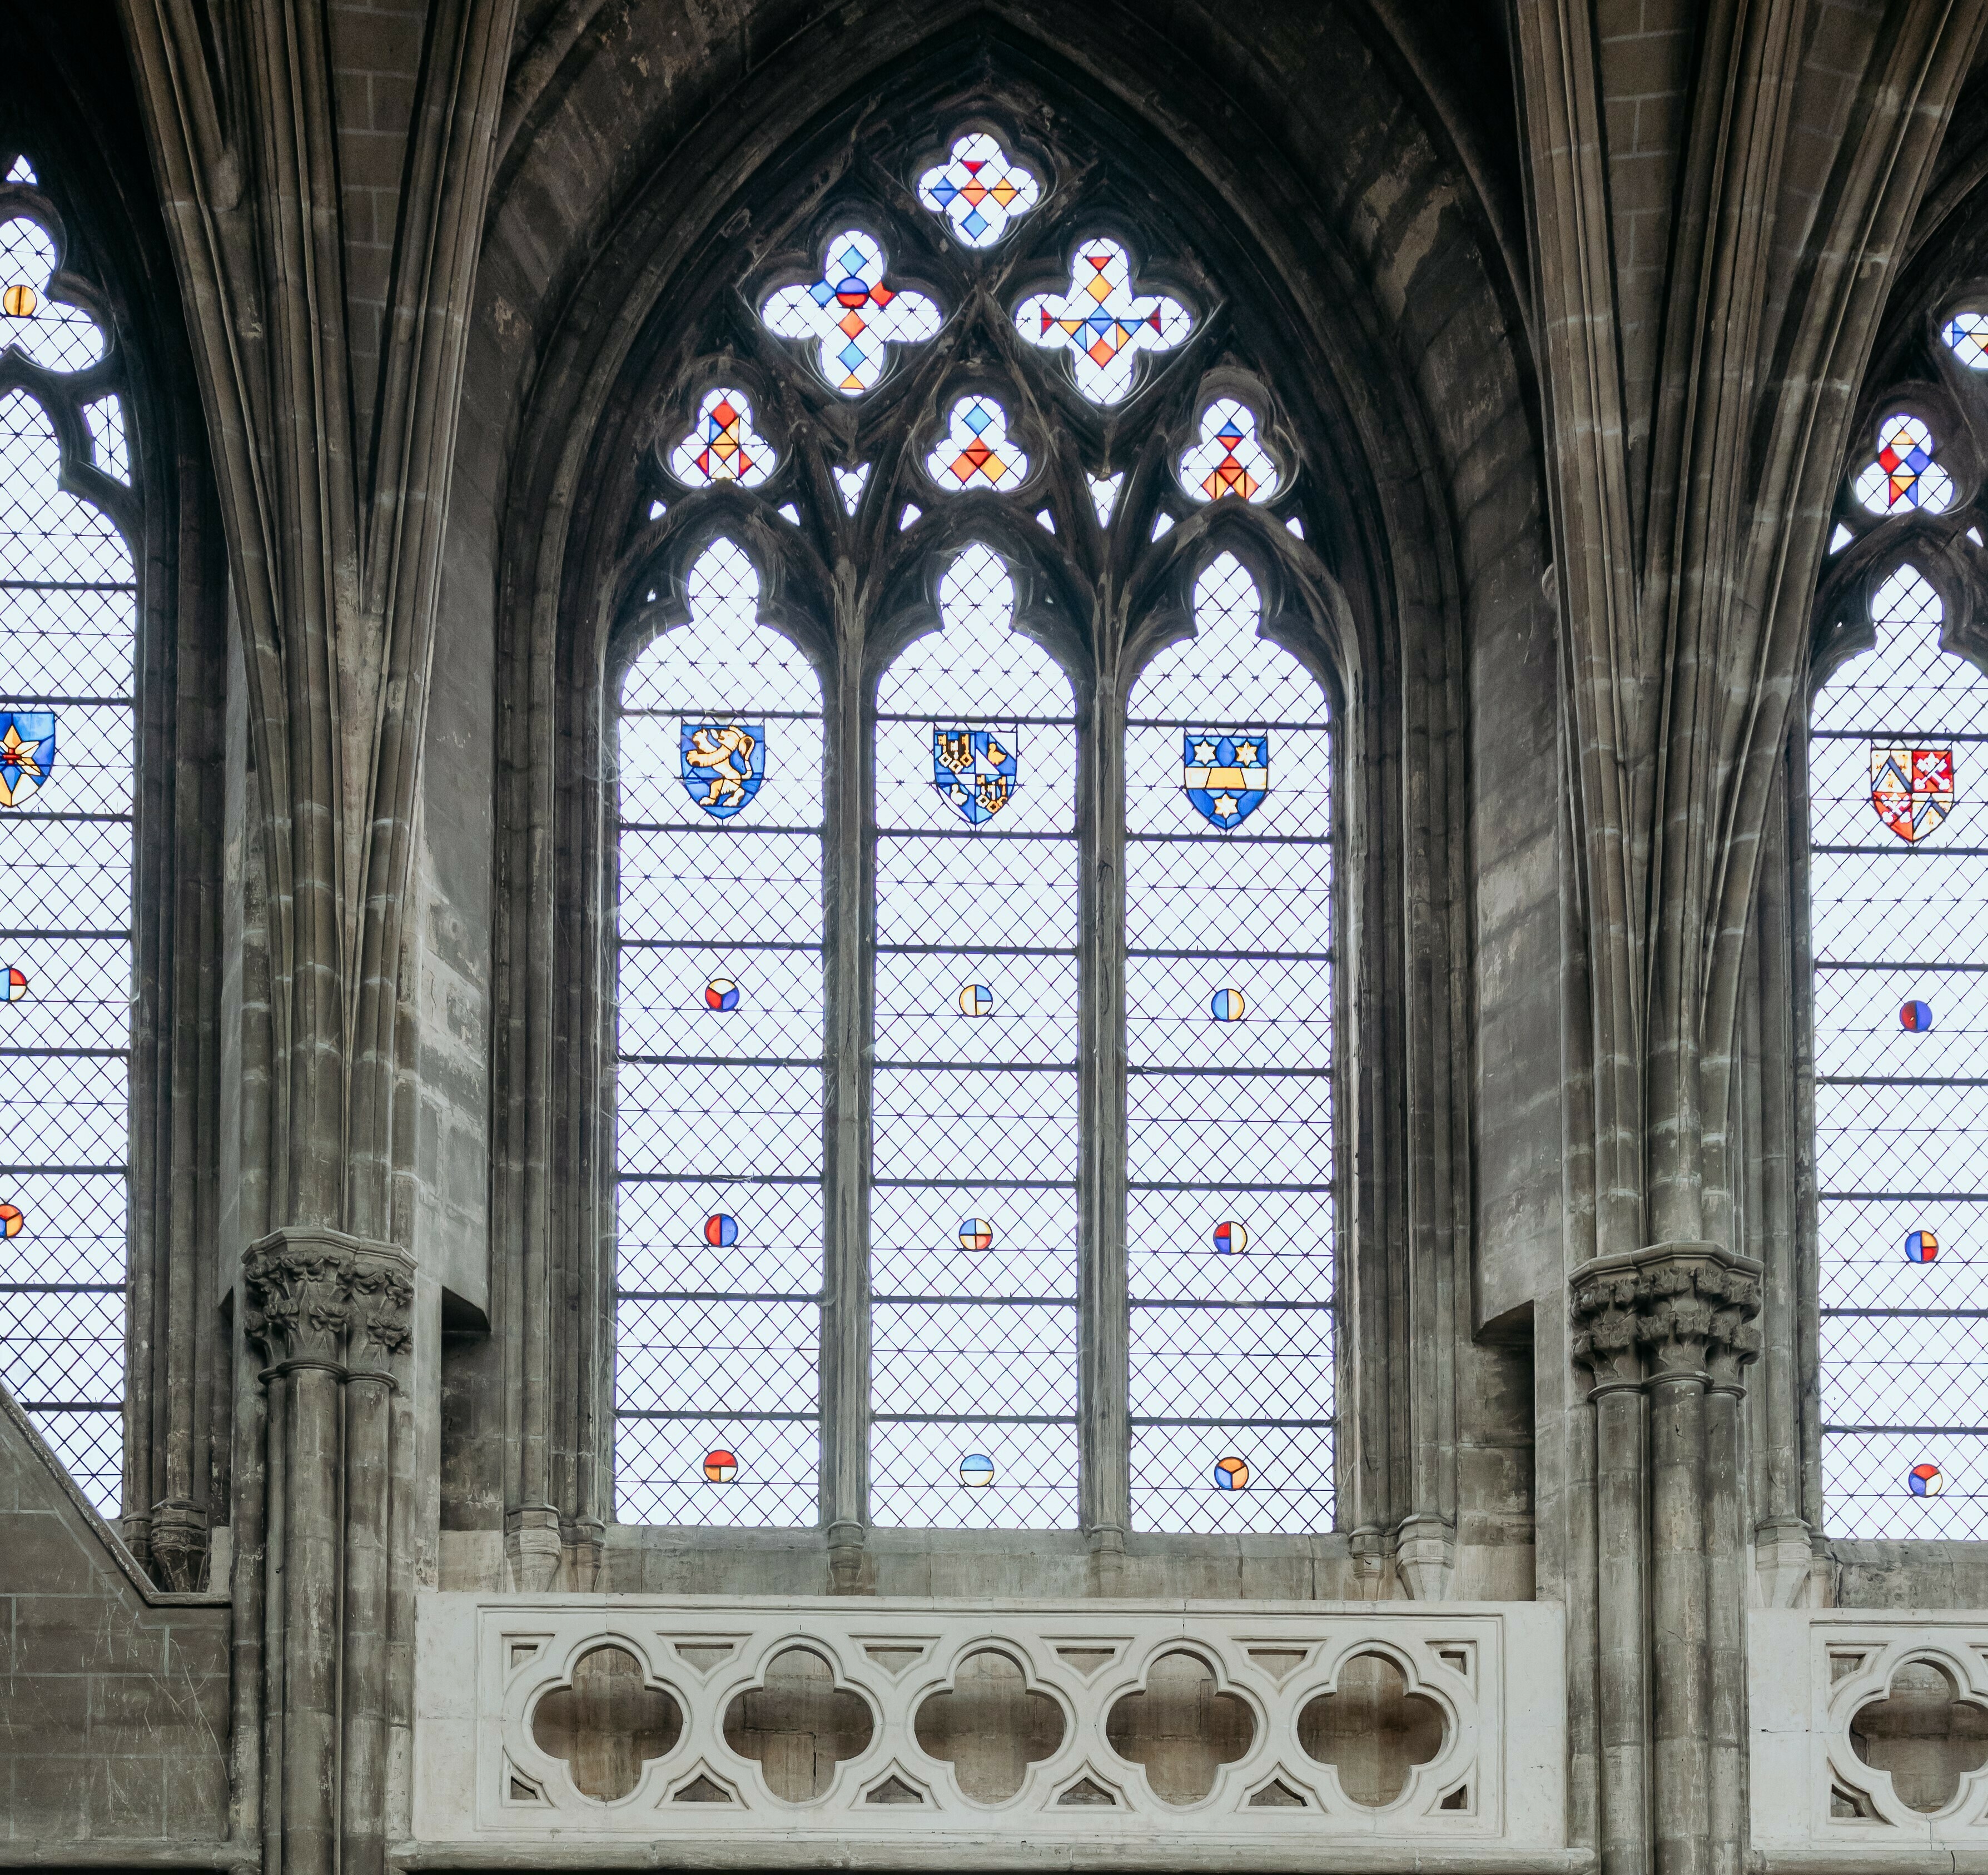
(1898, 899)
(974, 1111)
(68, 594)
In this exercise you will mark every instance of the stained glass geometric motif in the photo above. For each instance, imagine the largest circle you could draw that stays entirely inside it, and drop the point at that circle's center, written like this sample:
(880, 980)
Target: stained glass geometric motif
(69, 665)
(979, 189)
(1904, 474)
(722, 445)
(64, 338)
(21, 169)
(973, 1183)
(718, 1092)
(1229, 459)
(851, 315)
(1967, 334)
(975, 452)
(1104, 495)
(1225, 773)
(1102, 323)
(849, 484)
(1228, 1048)
(1899, 929)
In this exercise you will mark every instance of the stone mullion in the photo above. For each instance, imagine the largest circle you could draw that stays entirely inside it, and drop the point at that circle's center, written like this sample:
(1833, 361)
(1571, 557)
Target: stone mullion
(1104, 1315)
(849, 861)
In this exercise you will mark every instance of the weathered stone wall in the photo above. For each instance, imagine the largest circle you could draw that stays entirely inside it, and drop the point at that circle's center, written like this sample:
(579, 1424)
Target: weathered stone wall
(113, 1695)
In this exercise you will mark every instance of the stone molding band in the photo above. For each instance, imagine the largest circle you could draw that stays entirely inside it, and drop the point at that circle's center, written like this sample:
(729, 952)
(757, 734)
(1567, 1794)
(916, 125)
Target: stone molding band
(1675, 1312)
(317, 1299)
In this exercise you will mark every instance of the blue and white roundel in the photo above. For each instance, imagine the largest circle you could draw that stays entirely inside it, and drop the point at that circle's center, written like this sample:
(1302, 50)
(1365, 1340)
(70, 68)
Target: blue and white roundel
(1225, 1005)
(976, 1471)
(1226, 773)
(976, 999)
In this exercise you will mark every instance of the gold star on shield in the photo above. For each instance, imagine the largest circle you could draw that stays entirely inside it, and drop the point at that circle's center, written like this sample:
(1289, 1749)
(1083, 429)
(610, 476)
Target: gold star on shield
(1204, 753)
(1246, 755)
(1225, 806)
(16, 753)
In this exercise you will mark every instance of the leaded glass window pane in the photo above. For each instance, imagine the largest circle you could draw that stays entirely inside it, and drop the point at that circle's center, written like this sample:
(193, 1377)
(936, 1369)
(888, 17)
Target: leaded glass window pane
(718, 1106)
(1898, 834)
(66, 771)
(1229, 1001)
(973, 1203)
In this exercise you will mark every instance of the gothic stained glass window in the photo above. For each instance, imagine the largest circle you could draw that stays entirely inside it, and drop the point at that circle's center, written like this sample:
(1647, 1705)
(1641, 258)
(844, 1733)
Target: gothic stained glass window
(1229, 1002)
(973, 1203)
(68, 603)
(1899, 883)
(718, 1096)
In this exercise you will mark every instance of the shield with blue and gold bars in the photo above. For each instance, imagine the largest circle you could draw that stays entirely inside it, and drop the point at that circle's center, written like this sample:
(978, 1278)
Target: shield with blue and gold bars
(27, 752)
(722, 763)
(976, 767)
(1226, 773)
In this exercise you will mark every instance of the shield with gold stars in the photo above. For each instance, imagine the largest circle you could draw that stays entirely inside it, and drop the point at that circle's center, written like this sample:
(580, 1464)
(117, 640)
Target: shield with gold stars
(1226, 773)
(27, 753)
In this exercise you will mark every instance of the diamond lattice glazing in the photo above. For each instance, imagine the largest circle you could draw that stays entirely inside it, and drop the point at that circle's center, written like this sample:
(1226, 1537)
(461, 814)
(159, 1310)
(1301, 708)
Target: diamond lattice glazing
(66, 769)
(718, 1068)
(1229, 1101)
(973, 1208)
(1899, 903)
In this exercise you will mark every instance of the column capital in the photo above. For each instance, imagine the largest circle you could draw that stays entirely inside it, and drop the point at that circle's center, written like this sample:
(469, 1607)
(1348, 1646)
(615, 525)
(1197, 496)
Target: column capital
(1673, 1311)
(321, 1297)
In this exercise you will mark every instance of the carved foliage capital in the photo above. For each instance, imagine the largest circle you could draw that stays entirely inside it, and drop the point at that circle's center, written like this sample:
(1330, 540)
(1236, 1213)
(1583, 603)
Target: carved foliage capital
(1673, 1310)
(320, 1296)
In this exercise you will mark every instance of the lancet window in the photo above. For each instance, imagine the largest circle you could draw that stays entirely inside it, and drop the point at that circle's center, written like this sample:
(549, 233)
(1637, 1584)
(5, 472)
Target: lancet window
(68, 597)
(1898, 900)
(974, 1024)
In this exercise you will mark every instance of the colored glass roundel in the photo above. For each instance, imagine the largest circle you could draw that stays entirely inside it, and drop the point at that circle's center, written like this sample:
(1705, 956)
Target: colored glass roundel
(1916, 1017)
(1226, 1006)
(976, 999)
(16, 986)
(976, 1471)
(1925, 1481)
(721, 993)
(722, 445)
(720, 1231)
(851, 315)
(975, 1233)
(1231, 1474)
(721, 1466)
(980, 189)
(12, 1220)
(1231, 1238)
(19, 301)
(1921, 1247)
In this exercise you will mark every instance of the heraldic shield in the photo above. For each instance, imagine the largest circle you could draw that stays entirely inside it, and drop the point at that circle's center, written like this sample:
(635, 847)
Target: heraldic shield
(976, 769)
(1226, 773)
(723, 764)
(27, 752)
(1912, 788)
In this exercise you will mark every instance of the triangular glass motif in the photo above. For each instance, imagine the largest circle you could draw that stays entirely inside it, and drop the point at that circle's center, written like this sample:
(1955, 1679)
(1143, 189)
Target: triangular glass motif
(1162, 524)
(912, 512)
(790, 512)
(657, 510)
(1295, 525)
(1045, 518)
(1841, 539)
(22, 171)
(1104, 495)
(850, 482)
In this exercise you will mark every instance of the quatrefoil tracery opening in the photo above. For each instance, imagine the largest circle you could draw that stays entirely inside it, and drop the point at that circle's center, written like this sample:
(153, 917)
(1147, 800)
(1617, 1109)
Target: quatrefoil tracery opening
(1372, 1729)
(606, 1722)
(1924, 1732)
(990, 1725)
(799, 1724)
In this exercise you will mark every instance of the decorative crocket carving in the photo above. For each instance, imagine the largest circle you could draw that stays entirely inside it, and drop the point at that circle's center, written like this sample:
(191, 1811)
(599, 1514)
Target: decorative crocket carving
(319, 1296)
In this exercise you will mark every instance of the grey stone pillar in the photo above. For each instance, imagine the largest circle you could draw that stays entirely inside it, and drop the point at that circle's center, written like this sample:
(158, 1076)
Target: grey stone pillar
(1663, 1333)
(331, 1314)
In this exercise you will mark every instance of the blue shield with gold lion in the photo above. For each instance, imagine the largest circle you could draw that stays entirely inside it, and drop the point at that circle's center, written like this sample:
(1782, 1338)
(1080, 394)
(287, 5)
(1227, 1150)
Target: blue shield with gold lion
(722, 765)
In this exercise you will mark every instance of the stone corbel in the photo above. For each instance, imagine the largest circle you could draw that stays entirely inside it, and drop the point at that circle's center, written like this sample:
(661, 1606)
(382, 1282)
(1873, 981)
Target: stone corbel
(1425, 1557)
(180, 1544)
(1673, 1312)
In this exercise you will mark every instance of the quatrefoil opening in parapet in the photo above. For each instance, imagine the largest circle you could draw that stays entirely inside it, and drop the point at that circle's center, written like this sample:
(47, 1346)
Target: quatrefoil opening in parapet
(1181, 1727)
(1372, 1729)
(990, 1725)
(606, 1722)
(799, 1724)
(1924, 1732)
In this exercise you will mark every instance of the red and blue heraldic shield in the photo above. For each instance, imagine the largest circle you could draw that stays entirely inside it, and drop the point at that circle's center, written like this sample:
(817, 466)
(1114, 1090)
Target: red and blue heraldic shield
(1226, 773)
(27, 752)
(723, 764)
(1912, 788)
(976, 769)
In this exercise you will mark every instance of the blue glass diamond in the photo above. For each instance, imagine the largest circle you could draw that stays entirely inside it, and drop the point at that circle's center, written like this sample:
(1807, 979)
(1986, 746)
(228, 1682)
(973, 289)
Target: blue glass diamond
(975, 222)
(851, 354)
(978, 417)
(821, 292)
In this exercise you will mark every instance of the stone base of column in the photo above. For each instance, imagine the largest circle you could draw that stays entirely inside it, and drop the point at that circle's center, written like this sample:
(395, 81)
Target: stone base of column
(179, 1545)
(533, 1548)
(1425, 1557)
(846, 1559)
